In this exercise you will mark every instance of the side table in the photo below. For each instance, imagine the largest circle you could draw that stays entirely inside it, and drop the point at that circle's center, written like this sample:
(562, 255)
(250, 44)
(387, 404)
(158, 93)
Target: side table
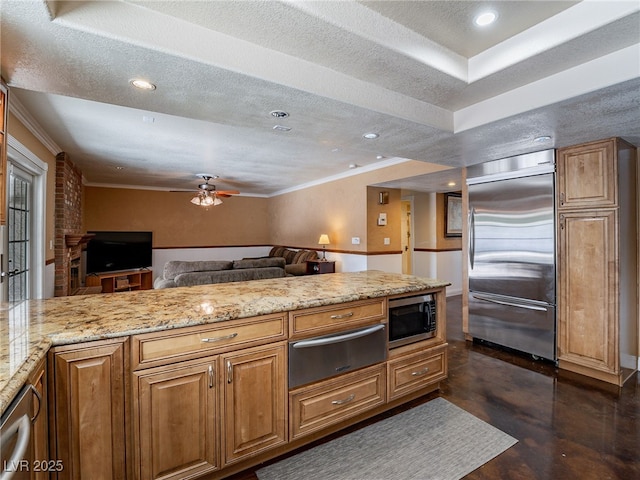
(319, 266)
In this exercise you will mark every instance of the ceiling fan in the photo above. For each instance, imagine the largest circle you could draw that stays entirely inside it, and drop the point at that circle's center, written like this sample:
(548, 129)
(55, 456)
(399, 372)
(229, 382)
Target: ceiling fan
(208, 195)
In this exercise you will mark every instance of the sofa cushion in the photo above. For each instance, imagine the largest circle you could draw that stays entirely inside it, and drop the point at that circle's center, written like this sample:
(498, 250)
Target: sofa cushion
(289, 255)
(259, 262)
(173, 268)
(276, 251)
(302, 256)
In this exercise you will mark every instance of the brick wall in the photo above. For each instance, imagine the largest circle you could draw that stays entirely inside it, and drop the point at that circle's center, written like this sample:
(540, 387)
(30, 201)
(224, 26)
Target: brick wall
(68, 219)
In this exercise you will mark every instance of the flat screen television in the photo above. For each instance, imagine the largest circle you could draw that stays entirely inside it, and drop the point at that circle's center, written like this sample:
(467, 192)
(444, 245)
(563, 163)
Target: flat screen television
(113, 251)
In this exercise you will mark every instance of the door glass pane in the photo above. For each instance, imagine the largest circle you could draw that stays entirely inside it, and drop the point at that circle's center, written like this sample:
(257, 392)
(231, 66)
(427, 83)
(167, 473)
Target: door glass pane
(19, 228)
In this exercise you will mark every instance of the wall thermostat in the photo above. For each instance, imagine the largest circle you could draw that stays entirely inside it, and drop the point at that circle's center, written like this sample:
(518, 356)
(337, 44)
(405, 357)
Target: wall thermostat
(382, 219)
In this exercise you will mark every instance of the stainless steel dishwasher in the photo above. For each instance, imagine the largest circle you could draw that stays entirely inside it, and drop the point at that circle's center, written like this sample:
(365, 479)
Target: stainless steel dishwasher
(323, 357)
(16, 436)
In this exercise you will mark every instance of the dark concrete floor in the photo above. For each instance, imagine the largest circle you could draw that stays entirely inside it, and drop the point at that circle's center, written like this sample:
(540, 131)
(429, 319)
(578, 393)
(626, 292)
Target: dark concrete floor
(567, 426)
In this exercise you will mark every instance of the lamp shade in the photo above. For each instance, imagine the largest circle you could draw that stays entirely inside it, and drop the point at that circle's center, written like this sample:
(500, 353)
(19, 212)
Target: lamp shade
(324, 239)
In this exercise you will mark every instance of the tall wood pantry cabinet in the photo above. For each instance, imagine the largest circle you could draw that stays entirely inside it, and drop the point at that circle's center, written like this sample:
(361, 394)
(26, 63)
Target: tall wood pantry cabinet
(597, 259)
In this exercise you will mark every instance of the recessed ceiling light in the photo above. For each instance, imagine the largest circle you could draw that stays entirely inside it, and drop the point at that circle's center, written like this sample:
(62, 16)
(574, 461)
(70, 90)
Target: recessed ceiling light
(370, 136)
(142, 84)
(118, 167)
(486, 18)
(353, 165)
(281, 128)
(279, 114)
(542, 138)
(451, 184)
(379, 157)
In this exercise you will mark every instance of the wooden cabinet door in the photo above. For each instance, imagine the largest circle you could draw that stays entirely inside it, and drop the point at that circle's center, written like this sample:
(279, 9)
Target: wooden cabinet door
(175, 420)
(254, 400)
(587, 175)
(587, 273)
(89, 424)
(38, 379)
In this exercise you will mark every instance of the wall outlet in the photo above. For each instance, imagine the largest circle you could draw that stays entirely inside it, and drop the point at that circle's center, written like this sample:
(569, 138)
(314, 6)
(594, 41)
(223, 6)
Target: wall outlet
(355, 240)
(387, 241)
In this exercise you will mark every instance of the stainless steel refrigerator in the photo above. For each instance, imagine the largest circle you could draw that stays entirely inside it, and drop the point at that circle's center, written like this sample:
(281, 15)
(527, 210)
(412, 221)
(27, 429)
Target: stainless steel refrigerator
(512, 259)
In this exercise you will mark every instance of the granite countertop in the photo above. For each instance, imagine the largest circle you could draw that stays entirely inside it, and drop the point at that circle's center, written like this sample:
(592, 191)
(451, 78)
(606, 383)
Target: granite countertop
(29, 329)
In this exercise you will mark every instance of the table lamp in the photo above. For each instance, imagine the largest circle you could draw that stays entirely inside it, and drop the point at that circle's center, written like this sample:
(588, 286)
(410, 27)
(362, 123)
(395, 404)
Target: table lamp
(324, 241)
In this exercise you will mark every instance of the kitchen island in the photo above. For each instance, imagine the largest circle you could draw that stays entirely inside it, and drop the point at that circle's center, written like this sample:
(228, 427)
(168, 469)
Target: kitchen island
(34, 331)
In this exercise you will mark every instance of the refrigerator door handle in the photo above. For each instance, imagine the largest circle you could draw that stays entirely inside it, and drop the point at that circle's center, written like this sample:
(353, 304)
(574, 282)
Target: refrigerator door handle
(492, 299)
(472, 236)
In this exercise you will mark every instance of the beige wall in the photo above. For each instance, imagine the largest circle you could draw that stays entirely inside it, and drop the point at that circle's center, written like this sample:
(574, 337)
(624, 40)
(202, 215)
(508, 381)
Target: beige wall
(392, 230)
(17, 130)
(339, 208)
(176, 222)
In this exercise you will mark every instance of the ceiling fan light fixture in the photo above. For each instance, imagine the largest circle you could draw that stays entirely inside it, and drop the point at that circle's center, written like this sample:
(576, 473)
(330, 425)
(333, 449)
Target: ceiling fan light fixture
(208, 195)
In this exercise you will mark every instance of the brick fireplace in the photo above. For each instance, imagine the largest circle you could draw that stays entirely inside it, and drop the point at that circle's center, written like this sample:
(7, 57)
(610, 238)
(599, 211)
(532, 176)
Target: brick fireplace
(68, 226)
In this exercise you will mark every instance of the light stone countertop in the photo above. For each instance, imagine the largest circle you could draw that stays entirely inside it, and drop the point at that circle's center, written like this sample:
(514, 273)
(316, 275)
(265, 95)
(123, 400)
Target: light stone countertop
(29, 329)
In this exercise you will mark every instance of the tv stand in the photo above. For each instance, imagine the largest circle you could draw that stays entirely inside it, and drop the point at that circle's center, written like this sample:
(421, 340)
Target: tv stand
(121, 281)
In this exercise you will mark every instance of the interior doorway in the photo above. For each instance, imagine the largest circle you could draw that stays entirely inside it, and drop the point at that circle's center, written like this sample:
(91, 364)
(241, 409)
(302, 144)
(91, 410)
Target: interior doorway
(406, 233)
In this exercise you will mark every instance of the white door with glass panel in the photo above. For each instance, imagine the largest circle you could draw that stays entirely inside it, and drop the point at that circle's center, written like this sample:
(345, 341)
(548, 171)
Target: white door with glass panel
(17, 236)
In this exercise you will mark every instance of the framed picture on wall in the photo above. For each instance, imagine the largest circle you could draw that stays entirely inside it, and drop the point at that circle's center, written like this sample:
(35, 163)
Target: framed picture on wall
(452, 215)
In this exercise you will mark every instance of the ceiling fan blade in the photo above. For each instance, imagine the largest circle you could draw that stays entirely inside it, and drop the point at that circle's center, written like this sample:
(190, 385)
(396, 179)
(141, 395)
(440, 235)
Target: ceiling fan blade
(227, 192)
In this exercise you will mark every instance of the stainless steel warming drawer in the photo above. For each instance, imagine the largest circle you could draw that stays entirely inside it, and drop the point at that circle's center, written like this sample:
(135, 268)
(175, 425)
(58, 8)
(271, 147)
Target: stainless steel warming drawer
(326, 356)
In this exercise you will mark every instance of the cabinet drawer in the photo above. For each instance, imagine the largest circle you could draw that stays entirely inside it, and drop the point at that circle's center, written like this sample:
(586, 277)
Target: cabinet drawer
(321, 320)
(159, 348)
(415, 371)
(329, 402)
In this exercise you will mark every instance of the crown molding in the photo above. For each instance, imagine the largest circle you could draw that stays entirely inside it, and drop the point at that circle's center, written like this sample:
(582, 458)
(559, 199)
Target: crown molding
(31, 124)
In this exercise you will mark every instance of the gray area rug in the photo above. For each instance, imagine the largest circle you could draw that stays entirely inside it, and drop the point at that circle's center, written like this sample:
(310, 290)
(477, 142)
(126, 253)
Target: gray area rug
(433, 441)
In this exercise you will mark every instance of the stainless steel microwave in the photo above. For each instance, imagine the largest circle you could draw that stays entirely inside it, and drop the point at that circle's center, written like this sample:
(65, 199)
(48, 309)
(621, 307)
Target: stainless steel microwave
(411, 319)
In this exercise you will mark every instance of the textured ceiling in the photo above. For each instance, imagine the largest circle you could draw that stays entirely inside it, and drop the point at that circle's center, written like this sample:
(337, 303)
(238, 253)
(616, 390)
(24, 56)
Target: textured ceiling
(419, 73)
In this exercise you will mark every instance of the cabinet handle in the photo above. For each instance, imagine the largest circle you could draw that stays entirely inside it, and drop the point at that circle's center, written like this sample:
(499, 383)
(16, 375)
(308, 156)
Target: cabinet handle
(346, 400)
(210, 376)
(561, 222)
(420, 372)
(217, 339)
(229, 372)
(344, 315)
(39, 397)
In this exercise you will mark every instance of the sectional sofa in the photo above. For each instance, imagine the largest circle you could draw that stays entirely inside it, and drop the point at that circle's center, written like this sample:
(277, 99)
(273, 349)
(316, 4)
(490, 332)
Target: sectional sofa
(280, 262)
(178, 273)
